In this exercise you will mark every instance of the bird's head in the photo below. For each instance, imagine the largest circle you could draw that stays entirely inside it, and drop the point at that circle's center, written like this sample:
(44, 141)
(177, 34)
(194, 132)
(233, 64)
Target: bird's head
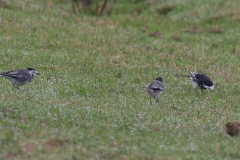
(33, 71)
(159, 79)
(211, 88)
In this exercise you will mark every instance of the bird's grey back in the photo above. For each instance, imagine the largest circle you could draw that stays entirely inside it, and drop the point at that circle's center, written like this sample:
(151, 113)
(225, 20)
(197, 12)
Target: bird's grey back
(20, 74)
(155, 85)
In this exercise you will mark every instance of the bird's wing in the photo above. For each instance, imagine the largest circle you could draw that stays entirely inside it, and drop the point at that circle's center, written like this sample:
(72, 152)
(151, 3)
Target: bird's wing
(155, 86)
(14, 74)
(5, 73)
(161, 86)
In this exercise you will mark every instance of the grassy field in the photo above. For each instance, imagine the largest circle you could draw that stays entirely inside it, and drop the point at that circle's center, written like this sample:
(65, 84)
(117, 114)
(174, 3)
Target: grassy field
(89, 102)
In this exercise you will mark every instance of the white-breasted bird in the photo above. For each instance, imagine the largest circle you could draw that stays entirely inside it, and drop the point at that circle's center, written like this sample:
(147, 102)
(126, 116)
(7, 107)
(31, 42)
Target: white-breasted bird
(20, 77)
(155, 88)
(201, 81)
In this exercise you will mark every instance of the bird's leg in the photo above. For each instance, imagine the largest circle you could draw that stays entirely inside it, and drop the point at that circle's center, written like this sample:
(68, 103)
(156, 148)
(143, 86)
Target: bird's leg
(150, 101)
(17, 87)
(193, 100)
(157, 100)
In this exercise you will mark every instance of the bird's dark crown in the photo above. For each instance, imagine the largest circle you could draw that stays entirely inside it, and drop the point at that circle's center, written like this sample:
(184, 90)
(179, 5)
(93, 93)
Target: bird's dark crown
(30, 69)
(159, 79)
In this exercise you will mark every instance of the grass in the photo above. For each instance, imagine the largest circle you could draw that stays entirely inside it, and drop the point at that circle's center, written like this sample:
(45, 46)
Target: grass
(89, 102)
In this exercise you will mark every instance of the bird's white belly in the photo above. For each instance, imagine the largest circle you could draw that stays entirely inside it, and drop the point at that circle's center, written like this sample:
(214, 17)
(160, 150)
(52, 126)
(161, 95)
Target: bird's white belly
(17, 83)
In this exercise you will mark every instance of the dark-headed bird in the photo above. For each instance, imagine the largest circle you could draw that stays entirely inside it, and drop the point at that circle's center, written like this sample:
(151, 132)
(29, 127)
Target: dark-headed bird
(201, 81)
(155, 88)
(20, 77)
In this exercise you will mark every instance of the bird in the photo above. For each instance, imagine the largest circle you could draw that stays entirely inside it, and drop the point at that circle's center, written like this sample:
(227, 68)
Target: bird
(233, 128)
(201, 81)
(20, 77)
(155, 88)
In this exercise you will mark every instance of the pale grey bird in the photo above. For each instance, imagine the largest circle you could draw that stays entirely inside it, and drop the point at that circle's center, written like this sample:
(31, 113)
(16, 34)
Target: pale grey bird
(20, 77)
(201, 81)
(155, 88)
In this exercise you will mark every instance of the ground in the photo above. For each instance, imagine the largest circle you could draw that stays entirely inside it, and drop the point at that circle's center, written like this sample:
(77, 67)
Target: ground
(89, 101)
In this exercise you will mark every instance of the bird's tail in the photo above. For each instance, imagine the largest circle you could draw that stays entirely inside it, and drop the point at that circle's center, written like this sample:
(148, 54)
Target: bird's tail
(3, 74)
(186, 76)
(192, 74)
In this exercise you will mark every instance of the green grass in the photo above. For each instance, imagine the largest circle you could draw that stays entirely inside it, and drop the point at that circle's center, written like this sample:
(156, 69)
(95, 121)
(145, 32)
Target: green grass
(89, 102)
